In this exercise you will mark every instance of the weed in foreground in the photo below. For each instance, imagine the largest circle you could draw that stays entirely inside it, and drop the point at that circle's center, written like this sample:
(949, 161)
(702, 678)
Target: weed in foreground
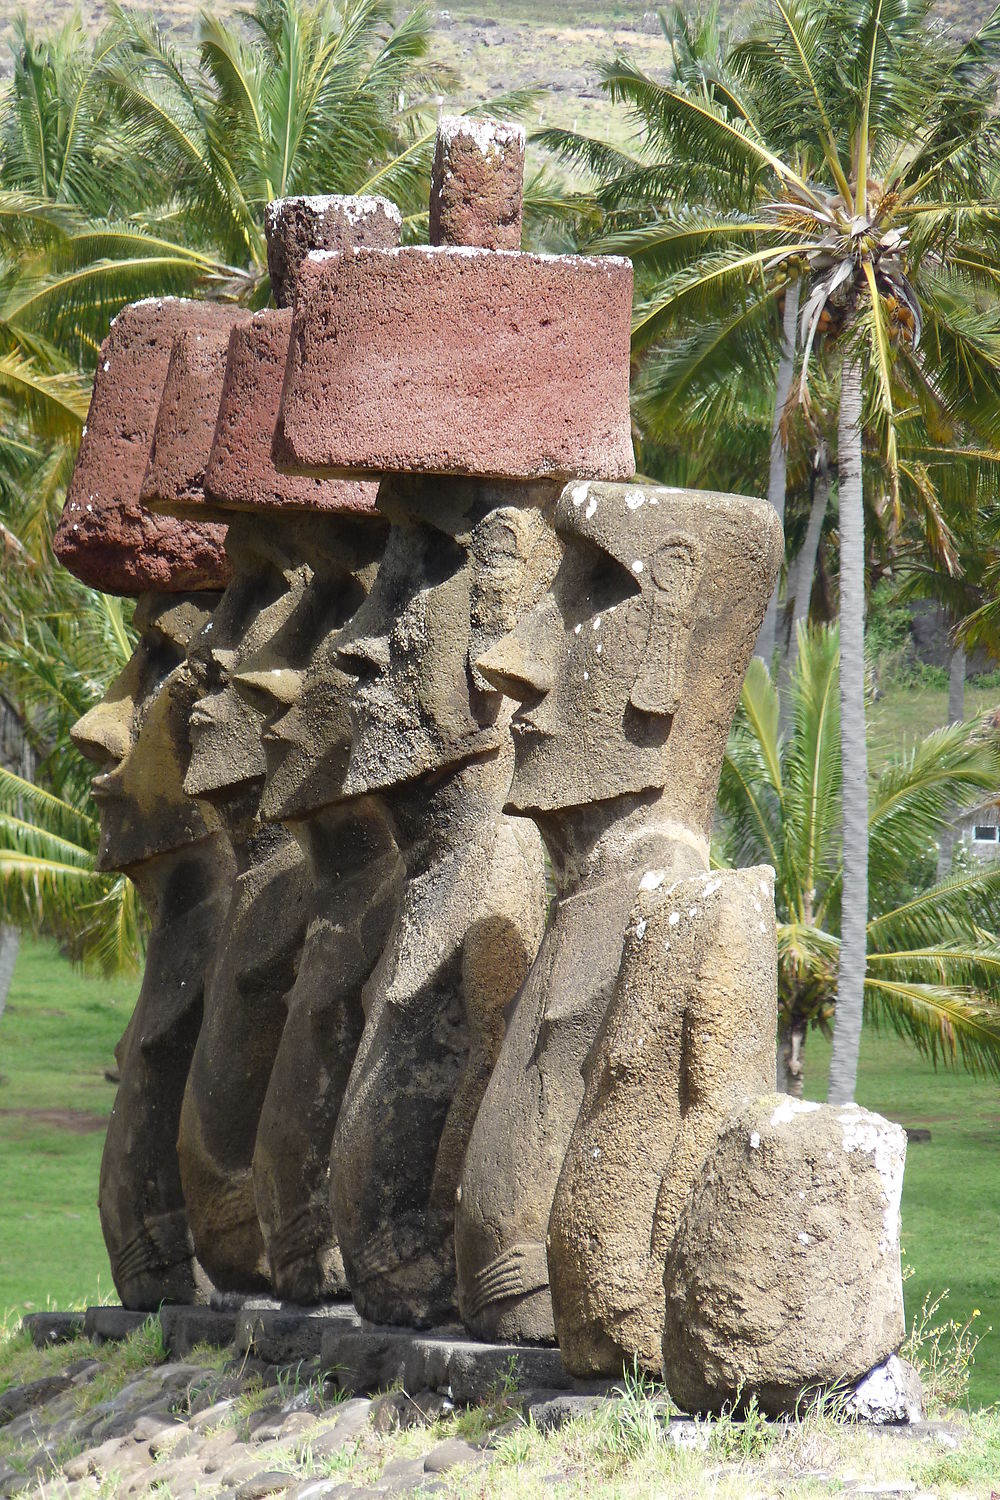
(943, 1351)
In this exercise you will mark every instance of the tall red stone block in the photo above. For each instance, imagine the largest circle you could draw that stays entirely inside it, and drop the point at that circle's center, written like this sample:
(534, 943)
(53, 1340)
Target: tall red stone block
(454, 360)
(106, 536)
(477, 183)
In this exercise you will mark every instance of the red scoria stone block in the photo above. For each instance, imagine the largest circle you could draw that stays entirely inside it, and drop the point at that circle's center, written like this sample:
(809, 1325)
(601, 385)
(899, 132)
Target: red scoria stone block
(450, 360)
(294, 226)
(185, 423)
(476, 184)
(106, 536)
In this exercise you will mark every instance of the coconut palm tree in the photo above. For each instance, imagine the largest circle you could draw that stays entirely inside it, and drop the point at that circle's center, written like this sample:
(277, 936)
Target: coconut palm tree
(847, 146)
(931, 947)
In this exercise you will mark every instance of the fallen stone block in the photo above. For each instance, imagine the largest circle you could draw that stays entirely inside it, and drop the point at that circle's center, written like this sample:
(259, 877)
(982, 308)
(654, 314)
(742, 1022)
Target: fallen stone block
(47, 1328)
(783, 1279)
(452, 360)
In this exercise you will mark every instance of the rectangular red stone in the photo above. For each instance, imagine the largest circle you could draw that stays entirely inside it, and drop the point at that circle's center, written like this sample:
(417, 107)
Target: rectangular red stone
(452, 360)
(241, 474)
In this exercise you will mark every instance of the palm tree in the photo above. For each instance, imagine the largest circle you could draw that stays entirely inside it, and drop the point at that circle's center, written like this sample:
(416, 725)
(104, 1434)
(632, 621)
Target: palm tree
(846, 145)
(932, 950)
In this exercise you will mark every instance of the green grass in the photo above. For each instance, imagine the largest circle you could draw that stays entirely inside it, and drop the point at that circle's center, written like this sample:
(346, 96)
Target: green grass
(903, 714)
(952, 1185)
(57, 1036)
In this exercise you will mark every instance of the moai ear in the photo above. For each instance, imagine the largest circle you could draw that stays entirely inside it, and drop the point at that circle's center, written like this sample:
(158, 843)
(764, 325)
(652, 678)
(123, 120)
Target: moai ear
(675, 572)
(515, 553)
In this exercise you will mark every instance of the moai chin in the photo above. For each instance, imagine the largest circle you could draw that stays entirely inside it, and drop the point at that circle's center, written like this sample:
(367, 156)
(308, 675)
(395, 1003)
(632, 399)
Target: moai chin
(429, 330)
(277, 537)
(172, 849)
(628, 674)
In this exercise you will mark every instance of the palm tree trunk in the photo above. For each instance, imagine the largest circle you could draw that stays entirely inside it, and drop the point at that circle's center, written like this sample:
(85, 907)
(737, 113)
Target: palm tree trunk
(854, 749)
(791, 1044)
(779, 456)
(10, 942)
(956, 713)
(800, 584)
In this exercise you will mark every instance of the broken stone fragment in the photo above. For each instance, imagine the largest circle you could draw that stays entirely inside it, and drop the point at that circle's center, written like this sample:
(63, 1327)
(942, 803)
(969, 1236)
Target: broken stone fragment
(457, 360)
(106, 536)
(783, 1278)
(476, 184)
(294, 226)
(185, 424)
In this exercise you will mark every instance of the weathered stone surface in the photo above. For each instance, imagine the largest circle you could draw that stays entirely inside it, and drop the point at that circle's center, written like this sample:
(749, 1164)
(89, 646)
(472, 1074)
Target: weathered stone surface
(105, 535)
(628, 673)
(476, 184)
(108, 1325)
(453, 360)
(21, 1398)
(467, 1371)
(687, 1041)
(265, 611)
(890, 1393)
(46, 1328)
(262, 1485)
(174, 481)
(174, 852)
(295, 226)
(784, 1273)
(451, 1454)
(184, 1327)
(241, 473)
(462, 558)
(286, 1337)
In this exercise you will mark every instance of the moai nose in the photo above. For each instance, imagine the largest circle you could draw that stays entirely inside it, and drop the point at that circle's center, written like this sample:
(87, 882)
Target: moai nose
(515, 669)
(282, 685)
(104, 734)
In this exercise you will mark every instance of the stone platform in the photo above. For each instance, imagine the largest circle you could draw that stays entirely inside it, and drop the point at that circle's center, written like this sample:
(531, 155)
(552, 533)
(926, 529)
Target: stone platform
(359, 1357)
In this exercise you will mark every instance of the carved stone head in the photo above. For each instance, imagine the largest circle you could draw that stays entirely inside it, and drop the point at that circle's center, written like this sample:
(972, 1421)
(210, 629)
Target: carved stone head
(138, 735)
(464, 558)
(628, 672)
(294, 680)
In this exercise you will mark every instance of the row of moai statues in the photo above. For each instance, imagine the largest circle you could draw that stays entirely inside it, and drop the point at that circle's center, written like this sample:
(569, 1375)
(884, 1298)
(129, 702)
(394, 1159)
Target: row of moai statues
(404, 623)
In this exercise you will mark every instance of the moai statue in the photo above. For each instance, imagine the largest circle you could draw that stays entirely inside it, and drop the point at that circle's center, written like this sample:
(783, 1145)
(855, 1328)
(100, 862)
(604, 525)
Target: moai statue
(230, 396)
(353, 865)
(628, 674)
(172, 849)
(687, 1041)
(427, 365)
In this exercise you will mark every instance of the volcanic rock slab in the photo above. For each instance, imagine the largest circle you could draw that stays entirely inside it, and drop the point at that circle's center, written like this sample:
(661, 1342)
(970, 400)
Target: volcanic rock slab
(106, 536)
(455, 360)
(185, 425)
(241, 473)
(476, 184)
(294, 226)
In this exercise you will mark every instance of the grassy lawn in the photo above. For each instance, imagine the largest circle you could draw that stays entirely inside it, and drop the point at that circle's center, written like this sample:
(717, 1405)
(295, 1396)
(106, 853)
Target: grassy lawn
(902, 714)
(57, 1036)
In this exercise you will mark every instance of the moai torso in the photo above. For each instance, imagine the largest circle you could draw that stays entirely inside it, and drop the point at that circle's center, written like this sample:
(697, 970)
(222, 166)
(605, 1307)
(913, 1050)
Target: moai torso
(176, 855)
(622, 719)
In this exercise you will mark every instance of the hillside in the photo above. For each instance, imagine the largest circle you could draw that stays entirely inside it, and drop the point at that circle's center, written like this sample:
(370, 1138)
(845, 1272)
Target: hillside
(495, 45)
